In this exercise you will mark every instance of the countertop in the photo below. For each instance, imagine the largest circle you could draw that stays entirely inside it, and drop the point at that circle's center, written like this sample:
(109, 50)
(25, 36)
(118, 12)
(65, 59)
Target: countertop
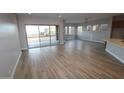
(118, 42)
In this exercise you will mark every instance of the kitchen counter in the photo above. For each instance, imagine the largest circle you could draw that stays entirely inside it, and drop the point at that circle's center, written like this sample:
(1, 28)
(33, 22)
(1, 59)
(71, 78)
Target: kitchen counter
(118, 42)
(116, 48)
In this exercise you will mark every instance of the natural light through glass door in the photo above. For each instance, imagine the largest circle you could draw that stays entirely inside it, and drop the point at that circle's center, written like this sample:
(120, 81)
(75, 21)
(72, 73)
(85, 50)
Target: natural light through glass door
(42, 35)
(54, 35)
(32, 36)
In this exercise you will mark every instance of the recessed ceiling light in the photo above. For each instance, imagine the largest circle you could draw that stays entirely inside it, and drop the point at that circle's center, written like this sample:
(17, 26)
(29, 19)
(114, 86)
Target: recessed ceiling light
(59, 16)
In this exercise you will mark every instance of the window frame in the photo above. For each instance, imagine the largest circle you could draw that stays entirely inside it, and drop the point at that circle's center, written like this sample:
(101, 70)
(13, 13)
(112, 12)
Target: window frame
(104, 29)
(96, 28)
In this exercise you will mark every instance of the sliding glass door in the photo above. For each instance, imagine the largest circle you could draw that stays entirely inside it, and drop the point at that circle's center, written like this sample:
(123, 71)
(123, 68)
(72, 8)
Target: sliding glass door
(44, 35)
(32, 36)
(54, 35)
(41, 35)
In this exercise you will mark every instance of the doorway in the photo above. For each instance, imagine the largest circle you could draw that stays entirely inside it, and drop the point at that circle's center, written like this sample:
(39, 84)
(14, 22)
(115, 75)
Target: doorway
(42, 35)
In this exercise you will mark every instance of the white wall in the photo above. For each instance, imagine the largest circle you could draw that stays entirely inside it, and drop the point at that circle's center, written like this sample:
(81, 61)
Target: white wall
(28, 19)
(96, 36)
(9, 44)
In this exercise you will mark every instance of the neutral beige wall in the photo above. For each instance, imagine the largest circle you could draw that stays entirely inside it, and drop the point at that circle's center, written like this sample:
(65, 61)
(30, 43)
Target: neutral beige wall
(9, 44)
(23, 20)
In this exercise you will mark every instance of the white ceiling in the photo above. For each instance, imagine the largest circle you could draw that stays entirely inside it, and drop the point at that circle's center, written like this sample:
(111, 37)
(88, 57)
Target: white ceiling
(72, 17)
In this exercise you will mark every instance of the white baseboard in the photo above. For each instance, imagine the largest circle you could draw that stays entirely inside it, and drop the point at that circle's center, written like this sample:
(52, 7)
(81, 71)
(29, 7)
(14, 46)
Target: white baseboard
(122, 61)
(16, 64)
(92, 40)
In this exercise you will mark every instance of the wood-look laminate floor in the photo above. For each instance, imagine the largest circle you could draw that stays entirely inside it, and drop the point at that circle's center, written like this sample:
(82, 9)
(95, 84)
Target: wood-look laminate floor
(74, 60)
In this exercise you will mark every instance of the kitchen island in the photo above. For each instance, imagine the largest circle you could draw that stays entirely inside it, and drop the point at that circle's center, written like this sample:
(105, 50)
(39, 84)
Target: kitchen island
(116, 48)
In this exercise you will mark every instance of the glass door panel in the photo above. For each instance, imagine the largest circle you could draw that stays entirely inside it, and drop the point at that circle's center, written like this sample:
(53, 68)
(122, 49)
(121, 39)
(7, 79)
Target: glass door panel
(32, 36)
(54, 35)
(44, 35)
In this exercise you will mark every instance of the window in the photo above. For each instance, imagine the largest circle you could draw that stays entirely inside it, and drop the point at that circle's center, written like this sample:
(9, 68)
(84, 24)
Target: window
(66, 30)
(103, 27)
(95, 27)
(79, 29)
(89, 27)
(70, 30)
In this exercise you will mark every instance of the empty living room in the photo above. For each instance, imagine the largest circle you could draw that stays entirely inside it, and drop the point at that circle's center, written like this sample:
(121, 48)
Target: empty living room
(62, 45)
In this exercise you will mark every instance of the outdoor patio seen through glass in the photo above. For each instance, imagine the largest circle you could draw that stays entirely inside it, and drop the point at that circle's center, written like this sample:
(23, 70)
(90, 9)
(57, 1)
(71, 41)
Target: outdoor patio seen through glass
(41, 35)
